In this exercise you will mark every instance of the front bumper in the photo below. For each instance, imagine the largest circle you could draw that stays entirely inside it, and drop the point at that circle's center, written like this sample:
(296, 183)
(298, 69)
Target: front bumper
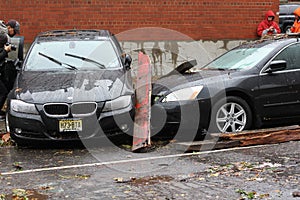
(28, 128)
(186, 117)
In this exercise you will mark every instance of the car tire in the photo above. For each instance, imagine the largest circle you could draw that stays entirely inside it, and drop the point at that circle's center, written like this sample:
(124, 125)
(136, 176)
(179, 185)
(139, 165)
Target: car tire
(287, 28)
(231, 114)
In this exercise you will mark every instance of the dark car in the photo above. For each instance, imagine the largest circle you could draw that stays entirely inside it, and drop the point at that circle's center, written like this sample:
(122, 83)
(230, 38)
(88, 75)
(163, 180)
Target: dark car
(73, 85)
(286, 16)
(253, 85)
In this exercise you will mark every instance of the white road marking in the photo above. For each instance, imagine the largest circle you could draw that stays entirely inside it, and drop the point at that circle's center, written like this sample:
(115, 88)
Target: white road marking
(130, 160)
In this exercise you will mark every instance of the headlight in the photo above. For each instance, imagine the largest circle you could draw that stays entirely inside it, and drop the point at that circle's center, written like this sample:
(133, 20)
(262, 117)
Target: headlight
(183, 94)
(23, 107)
(118, 103)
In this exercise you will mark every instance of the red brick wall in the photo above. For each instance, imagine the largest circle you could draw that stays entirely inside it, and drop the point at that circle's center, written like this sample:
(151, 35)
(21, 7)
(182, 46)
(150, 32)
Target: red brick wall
(199, 19)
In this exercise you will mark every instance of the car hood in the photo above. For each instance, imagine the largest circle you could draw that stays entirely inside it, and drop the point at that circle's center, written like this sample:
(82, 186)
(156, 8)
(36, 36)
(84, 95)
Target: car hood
(43, 87)
(176, 81)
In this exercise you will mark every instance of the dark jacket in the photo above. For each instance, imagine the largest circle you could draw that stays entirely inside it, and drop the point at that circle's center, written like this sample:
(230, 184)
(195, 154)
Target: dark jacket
(3, 88)
(3, 54)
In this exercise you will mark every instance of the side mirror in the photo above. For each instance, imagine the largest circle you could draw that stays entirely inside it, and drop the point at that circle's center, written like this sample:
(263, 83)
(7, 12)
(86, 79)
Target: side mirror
(276, 65)
(127, 61)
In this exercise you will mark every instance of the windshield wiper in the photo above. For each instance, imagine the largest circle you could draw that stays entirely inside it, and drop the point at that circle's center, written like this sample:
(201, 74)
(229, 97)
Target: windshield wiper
(212, 68)
(67, 66)
(86, 59)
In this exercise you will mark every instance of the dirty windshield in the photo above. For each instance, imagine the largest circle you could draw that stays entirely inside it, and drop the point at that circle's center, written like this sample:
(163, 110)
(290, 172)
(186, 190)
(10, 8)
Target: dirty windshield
(239, 58)
(84, 55)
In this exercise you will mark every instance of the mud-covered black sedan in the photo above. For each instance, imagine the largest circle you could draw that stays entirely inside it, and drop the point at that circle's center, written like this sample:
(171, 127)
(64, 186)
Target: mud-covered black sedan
(73, 85)
(253, 85)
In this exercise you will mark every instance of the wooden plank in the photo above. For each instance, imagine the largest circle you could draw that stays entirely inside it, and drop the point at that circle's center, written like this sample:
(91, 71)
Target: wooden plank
(245, 138)
(271, 138)
(141, 129)
(253, 133)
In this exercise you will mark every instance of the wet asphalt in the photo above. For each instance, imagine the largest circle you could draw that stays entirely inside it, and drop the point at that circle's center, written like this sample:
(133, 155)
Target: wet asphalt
(111, 172)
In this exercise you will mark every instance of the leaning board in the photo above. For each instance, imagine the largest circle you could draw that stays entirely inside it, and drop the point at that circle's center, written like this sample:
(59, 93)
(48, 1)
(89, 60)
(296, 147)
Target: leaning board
(141, 130)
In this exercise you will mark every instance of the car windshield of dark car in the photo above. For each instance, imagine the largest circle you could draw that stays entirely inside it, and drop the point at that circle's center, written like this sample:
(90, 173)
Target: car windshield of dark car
(84, 55)
(239, 59)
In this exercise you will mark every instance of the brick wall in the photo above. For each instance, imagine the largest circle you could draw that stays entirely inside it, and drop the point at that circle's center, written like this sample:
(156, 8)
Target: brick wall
(198, 19)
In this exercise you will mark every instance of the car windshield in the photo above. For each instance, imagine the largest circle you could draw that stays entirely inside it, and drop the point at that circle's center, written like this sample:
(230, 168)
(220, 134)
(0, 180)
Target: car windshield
(242, 58)
(82, 55)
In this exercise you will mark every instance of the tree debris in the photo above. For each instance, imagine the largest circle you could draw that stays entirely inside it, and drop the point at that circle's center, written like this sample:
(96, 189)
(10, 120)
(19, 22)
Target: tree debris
(296, 194)
(17, 166)
(244, 138)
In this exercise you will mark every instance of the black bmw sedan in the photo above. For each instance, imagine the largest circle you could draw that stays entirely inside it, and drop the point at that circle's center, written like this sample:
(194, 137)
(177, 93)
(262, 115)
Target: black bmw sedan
(253, 85)
(73, 85)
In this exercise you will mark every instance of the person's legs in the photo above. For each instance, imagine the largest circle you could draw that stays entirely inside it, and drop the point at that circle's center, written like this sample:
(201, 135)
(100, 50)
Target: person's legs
(3, 95)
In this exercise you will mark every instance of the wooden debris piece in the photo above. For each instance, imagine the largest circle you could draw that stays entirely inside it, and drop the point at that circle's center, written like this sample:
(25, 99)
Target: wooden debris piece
(245, 138)
(141, 129)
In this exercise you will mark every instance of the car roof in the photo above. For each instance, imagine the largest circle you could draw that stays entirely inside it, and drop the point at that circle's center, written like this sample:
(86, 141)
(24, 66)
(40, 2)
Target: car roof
(73, 34)
(288, 9)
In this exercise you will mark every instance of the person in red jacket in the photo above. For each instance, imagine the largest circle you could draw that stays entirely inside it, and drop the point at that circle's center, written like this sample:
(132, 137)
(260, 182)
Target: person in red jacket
(268, 26)
(296, 26)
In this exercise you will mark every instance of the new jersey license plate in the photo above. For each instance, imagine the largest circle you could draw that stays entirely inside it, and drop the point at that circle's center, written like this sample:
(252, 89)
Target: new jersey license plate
(66, 125)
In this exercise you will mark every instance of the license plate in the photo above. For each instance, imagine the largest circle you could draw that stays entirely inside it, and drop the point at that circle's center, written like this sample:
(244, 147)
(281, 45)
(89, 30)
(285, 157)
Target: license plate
(70, 125)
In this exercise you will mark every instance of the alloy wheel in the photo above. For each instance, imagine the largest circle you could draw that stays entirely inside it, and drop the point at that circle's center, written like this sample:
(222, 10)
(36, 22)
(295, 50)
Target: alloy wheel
(231, 117)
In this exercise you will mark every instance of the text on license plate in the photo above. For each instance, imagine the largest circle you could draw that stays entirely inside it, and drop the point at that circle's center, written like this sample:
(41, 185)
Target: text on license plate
(70, 125)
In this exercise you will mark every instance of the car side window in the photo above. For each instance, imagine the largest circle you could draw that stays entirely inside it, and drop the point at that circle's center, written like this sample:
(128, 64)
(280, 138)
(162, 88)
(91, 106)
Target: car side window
(291, 56)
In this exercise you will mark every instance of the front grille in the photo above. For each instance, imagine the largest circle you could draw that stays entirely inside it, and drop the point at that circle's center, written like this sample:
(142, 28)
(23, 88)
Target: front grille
(83, 109)
(56, 109)
(79, 109)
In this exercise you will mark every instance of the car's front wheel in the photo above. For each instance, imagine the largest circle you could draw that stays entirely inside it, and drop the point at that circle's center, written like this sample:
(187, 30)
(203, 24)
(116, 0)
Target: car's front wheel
(232, 114)
(287, 29)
